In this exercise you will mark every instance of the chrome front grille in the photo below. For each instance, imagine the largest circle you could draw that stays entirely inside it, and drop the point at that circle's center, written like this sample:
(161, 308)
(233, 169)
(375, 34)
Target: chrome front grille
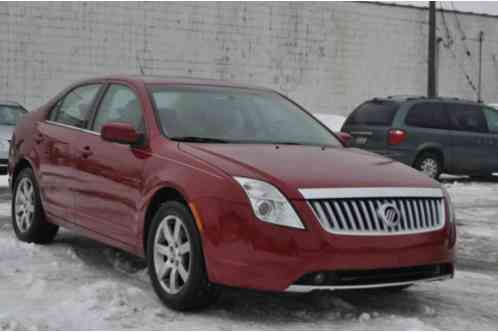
(418, 211)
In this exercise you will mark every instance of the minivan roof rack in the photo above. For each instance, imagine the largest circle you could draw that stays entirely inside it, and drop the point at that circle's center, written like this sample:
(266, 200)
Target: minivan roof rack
(406, 97)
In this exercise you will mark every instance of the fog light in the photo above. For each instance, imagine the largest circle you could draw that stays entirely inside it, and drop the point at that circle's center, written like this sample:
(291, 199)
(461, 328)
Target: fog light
(319, 278)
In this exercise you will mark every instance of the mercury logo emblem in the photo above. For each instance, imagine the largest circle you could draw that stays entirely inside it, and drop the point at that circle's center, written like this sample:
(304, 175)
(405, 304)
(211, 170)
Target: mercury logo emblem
(389, 214)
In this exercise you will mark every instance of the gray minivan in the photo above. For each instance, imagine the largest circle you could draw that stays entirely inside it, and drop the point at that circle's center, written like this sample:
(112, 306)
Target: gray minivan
(433, 135)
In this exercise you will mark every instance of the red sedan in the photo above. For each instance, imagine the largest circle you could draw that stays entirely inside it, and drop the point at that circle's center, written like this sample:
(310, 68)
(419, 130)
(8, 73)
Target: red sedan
(223, 184)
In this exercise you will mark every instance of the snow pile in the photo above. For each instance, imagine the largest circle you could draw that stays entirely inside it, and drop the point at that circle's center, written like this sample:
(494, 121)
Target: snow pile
(333, 122)
(79, 284)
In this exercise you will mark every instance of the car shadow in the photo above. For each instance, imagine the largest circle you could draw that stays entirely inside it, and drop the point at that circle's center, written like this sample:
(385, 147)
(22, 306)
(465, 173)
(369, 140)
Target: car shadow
(250, 305)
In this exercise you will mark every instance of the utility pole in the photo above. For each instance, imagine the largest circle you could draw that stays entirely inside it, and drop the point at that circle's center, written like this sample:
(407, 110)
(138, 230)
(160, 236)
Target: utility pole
(431, 61)
(479, 81)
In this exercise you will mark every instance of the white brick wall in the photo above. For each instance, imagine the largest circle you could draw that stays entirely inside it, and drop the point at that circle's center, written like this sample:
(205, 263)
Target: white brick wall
(327, 56)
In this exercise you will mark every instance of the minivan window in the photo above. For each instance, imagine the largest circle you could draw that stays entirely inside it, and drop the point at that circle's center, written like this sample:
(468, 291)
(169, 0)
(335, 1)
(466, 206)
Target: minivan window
(374, 113)
(491, 115)
(427, 115)
(466, 117)
(9, 115)
(234, 115)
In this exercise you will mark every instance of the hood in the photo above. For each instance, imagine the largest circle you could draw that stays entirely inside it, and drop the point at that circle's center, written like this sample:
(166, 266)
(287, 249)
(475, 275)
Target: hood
(291, 167)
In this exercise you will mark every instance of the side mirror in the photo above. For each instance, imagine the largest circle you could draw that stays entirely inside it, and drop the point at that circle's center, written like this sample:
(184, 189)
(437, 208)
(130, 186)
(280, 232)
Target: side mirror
(119, 132)
(344, 137)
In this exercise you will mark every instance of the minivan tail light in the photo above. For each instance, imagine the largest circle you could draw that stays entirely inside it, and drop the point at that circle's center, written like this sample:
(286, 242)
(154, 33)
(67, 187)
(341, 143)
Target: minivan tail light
(396, 136)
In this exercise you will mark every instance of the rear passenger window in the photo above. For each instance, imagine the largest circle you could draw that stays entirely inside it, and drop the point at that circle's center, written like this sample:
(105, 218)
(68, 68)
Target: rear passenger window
(467, 118)
(75, 107)
(427, 115)
(374, 113)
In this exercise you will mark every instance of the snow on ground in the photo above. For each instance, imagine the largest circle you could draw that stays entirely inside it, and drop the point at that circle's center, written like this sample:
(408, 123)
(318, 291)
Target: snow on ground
(78, 284)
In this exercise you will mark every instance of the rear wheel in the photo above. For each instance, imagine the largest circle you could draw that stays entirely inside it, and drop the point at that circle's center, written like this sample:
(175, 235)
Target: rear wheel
(430, 164)
(175, 260)
(28, 217)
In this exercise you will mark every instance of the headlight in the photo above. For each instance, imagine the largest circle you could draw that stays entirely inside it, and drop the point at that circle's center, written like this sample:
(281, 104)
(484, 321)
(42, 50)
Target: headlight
(269, 204)
(449, 206)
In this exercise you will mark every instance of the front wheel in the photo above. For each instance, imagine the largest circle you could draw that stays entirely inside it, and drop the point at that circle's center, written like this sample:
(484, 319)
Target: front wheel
(175, 259)
(28, 217)
(429, 164)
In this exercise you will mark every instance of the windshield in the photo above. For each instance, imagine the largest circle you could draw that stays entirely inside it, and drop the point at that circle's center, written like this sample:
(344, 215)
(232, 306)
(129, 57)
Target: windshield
(232, 115)
(9, 115)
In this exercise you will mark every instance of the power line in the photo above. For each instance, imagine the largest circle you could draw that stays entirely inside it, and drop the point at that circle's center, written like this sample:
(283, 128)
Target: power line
(448, 45)
(460, 29)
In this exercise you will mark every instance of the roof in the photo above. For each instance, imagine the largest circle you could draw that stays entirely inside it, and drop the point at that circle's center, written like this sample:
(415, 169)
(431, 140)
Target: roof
(405, 98)
(160, 79)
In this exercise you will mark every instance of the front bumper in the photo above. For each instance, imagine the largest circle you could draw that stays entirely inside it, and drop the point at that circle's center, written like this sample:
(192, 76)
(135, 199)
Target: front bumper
(363, 279)
(4, 162)
(241, 251)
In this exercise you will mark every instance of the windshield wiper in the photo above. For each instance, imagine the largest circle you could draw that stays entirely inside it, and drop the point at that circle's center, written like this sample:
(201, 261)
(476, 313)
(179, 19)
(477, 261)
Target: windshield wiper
(196, 139)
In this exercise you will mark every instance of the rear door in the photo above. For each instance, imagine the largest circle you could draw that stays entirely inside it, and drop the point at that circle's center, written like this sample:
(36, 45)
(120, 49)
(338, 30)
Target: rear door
(428, 126)
(110, 175)
(472, 149)
(55, 139)
(370, 123)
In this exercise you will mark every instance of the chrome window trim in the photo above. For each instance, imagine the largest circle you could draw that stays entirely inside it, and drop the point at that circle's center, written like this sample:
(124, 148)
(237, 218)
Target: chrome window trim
(370, 192)
(72, 127)
(308, 288)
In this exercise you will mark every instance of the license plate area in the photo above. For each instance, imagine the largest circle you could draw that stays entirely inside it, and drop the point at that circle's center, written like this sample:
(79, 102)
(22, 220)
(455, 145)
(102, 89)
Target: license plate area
(360, 140)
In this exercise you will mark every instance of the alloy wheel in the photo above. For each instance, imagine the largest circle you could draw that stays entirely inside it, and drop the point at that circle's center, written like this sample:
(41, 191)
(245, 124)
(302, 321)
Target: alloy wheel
(24, 204)
(172, 254)
(429, 167)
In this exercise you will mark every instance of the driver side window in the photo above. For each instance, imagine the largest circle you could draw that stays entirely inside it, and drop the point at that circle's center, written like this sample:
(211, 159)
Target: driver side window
(120, 104)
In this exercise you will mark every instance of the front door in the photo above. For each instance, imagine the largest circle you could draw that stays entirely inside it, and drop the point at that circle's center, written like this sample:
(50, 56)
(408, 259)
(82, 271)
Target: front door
(109, 193)
(55, 139)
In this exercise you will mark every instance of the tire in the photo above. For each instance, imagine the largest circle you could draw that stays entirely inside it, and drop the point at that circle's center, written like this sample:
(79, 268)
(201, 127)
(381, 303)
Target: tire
(171, 233)
(28, 217)
(430, 164)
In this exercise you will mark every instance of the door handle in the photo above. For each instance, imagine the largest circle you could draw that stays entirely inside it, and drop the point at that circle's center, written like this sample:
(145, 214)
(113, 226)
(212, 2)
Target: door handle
(38, 138)
(86, 152)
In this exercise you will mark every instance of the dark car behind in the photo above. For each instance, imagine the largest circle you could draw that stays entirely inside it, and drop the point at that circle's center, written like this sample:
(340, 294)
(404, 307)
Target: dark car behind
(434, 135)
(10, 113)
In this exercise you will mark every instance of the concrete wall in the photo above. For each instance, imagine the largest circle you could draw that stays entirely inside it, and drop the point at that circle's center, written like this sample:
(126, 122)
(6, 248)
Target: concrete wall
(328, 57)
